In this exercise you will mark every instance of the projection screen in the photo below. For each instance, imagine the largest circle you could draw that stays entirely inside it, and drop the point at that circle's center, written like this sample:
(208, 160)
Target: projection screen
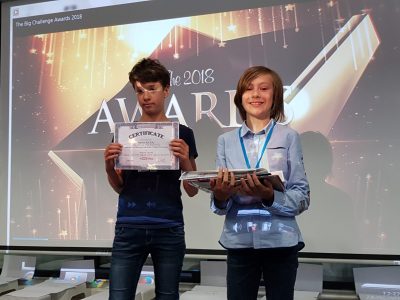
(64, 83)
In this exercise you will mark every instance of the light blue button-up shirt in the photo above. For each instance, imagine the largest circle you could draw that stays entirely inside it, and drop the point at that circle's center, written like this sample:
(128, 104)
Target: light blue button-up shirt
(249, 223)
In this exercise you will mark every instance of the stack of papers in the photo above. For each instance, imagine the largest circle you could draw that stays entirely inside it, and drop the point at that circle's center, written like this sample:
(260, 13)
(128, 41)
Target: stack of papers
(201, 179)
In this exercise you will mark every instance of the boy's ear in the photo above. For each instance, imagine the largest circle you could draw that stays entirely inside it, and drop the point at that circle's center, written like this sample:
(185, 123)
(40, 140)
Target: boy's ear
(166, 90)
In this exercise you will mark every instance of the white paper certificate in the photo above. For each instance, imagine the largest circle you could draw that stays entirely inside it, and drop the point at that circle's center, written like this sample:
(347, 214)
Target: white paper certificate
(146, 145)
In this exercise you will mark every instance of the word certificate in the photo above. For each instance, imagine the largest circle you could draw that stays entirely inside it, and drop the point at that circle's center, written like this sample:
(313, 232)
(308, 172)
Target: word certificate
(146, 145)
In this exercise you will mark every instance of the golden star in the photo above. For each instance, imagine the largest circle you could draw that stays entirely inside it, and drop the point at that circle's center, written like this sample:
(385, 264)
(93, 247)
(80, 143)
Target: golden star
(289, 7)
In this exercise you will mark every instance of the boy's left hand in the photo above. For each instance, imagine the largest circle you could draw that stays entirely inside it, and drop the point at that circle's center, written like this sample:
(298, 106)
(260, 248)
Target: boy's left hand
(253, 187)
(181, 150)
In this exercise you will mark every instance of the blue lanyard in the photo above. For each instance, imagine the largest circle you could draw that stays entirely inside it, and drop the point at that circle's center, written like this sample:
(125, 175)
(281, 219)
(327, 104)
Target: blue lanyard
(267, 138)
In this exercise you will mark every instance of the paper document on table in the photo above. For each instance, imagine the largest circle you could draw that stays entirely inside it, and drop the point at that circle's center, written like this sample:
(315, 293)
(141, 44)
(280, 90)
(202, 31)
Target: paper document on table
(201, 179)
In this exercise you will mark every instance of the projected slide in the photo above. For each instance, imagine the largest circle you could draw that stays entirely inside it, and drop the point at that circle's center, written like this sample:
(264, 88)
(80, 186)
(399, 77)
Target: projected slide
(339, 61)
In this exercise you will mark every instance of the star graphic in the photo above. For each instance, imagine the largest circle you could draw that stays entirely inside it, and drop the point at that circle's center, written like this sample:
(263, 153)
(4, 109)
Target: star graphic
(289, 7)
(221, 44)
(232, 27)
(330, 3)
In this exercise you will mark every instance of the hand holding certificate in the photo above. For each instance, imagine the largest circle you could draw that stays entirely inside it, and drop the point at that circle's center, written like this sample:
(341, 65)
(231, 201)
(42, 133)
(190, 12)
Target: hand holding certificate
(201, 179)
(146, 145)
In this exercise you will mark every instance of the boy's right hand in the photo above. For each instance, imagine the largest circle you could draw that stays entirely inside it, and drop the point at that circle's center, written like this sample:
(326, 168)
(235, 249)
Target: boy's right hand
(110, 154)
(223, 186)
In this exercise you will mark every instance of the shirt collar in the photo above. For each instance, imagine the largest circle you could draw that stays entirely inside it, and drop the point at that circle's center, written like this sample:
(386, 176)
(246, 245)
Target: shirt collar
(246, 130)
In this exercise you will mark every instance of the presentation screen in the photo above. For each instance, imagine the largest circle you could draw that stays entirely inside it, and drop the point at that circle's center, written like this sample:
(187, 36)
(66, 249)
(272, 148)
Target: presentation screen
(64, 84)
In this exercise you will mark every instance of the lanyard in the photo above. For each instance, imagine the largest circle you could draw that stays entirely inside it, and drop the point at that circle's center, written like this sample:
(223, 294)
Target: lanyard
(267, 138)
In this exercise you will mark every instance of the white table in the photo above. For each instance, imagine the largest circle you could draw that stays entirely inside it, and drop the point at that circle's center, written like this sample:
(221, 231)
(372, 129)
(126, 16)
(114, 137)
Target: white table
(205, 292)
(8, 284)
(302, 295)
(47, 290)
(143, 292)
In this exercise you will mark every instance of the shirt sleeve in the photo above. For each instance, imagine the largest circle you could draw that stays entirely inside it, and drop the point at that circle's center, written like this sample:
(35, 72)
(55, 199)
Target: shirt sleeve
(296, 197)
(220, 163)
(189, 139)
(217, 210)
(187, 135)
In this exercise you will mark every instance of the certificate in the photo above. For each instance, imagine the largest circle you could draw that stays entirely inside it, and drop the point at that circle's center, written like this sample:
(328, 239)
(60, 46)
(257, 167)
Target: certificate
(146, 145)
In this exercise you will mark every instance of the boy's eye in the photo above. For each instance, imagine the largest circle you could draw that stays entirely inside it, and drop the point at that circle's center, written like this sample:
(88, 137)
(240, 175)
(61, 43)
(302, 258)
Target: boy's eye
(151, 90)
